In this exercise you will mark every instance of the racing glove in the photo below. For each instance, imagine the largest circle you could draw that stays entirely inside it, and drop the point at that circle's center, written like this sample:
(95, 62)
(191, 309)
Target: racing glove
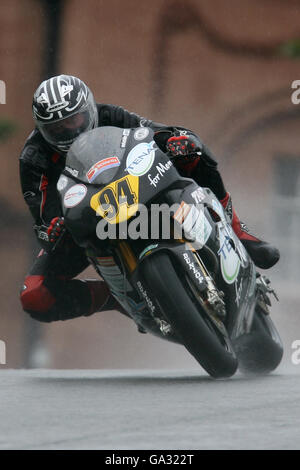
(183, 144)
(42, 236)
(56, 232)
(50, 236)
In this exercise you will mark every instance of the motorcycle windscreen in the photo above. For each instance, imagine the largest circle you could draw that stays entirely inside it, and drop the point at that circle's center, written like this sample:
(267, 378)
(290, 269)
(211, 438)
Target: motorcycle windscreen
(96, 155)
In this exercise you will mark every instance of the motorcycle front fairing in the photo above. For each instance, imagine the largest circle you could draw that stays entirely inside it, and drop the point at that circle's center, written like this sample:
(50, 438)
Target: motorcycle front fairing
(103, 166)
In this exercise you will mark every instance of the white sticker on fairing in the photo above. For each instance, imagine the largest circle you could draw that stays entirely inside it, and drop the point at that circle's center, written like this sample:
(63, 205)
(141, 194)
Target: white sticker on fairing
(161, 168)
(230, 261)
(198, 195)
(62, 183)
(141, 133)
(140, 159)
(194, 223)
(193, 268)
(125, 135)
(72, 171)
(75, 195)
(218, 208)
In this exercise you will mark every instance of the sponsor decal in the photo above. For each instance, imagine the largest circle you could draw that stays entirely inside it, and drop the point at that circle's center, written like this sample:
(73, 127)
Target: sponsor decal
(140, 159)
(230, 261)
(161, 169)
(57, 106)
(218, 208)
(194, 223)
(42, 235)
(198, 195)
(62, 183)
(198, 226)
(198, 275)
(72, 171)
(75, 195)
(145, 295)
(182, 212)
(141, 133)
(102, 165)
(143, 122)
(105, 261)
(29, 194)
(125, 135)
(123, 141)
(147, 250)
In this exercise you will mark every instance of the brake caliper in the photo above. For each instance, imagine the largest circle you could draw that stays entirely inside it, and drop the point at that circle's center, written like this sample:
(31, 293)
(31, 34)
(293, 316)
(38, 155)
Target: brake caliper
(264, 288)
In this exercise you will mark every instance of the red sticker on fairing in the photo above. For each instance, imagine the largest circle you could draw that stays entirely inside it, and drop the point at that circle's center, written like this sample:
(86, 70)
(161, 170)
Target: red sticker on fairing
(101, 166)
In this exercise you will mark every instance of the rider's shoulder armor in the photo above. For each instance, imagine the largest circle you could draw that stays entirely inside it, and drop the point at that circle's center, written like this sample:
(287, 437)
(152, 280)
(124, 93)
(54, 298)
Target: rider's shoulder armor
(36, 152)
(112, 115)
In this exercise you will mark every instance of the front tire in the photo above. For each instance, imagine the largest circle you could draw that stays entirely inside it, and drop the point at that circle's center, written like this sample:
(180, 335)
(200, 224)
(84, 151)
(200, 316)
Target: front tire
(188, 322)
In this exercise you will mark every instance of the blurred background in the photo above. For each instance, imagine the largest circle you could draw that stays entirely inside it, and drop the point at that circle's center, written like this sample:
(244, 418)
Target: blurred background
(223, 69)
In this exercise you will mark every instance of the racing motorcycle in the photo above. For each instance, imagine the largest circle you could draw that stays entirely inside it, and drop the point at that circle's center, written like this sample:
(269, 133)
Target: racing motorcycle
(182, 275)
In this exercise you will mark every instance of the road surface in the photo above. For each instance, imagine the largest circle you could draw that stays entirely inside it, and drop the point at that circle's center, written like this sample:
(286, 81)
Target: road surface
(122, 409)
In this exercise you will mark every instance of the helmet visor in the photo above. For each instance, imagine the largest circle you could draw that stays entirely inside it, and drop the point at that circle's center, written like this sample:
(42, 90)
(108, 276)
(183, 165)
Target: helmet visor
(64, 132)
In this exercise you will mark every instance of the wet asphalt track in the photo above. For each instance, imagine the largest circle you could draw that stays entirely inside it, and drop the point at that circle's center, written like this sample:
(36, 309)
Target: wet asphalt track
(112, 409)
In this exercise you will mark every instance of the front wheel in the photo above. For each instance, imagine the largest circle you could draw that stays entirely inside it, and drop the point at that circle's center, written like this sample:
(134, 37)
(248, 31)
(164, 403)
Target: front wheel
(197, 333)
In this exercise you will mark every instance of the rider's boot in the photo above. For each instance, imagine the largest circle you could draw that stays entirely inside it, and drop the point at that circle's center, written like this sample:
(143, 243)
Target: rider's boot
(263, 254)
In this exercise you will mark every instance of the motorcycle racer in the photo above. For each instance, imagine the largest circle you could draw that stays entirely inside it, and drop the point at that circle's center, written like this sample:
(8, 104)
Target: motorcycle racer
(64, 108)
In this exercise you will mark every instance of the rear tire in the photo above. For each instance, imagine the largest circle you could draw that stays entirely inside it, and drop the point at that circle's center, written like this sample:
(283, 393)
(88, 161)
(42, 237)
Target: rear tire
(260, 351)
(188, 322)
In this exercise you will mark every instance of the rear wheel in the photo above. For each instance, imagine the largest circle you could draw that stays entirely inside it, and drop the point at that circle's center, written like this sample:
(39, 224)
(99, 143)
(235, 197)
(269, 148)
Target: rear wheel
(190, 322)
(260, 351)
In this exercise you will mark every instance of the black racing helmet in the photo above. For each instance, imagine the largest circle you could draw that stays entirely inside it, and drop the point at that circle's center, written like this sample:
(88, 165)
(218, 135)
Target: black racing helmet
(64, 107)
